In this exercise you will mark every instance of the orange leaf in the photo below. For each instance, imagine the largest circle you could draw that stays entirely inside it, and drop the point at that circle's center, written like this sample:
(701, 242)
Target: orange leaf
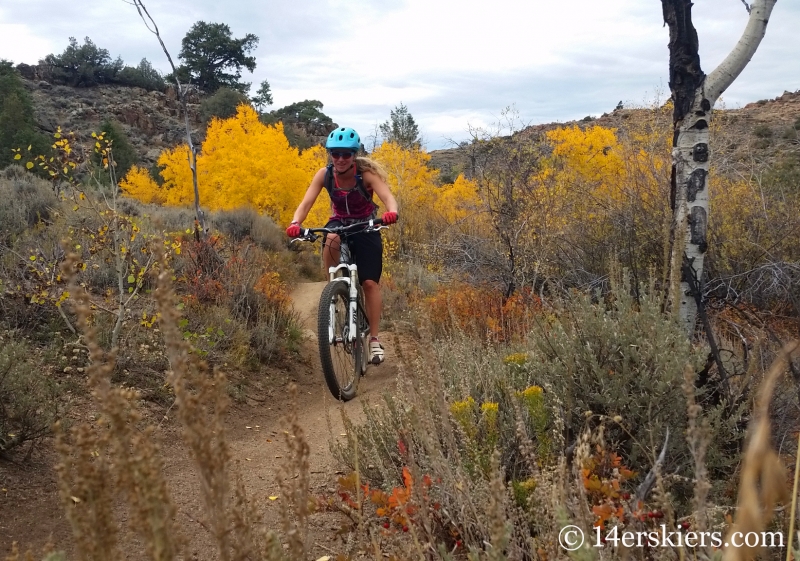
(378, 497)
(407, 479)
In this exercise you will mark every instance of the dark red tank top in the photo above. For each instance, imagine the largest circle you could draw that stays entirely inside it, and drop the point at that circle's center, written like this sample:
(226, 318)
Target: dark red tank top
(350, 204)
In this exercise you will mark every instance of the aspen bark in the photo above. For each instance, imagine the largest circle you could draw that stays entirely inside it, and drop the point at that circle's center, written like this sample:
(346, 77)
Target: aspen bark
(694, 95)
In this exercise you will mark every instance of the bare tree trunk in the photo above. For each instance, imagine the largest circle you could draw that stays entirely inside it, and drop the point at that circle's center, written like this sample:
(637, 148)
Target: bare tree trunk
(694, 96)
(153, 28)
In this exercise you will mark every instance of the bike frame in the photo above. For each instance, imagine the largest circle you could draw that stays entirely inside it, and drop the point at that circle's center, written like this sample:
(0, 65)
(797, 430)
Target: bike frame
(343, 272)
(351, 279)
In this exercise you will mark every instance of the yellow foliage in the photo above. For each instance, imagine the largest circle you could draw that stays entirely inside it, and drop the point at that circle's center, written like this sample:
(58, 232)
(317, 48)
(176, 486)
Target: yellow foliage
(458, 201)
(516, 359)
(139, 185)
(747, 224)
(178, 190)
(411, 180)
(425, 207)
(244, 163)
(463, 412)
(589, 158)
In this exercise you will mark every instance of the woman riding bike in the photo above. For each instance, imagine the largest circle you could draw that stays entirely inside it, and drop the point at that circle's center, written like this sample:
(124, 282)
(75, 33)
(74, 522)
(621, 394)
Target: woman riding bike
(351, 182)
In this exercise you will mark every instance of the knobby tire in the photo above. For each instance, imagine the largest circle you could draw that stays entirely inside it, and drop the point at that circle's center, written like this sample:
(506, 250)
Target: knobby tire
(342, 362)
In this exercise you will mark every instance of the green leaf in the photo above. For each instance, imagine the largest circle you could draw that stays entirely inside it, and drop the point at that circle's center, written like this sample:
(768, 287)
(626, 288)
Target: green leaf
(130, 289)
(183, 323)
(131, 279)
(221, 333)
(29, 165)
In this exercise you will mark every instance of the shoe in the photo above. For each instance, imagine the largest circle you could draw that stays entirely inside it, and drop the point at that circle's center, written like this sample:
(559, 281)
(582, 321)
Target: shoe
(375, 351)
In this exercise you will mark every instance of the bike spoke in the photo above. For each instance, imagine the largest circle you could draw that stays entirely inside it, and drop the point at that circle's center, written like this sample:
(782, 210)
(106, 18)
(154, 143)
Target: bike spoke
(342, 355)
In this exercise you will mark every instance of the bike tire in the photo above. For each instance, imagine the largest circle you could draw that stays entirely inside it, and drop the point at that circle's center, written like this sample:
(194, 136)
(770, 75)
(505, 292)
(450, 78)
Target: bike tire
(341, 360)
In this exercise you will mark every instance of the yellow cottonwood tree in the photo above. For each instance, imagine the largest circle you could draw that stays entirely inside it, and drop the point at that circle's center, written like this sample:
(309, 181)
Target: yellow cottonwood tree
(413, 184)
(613, 188)
(588, 160)
(139, 185)
(243, 162)
(459, 201)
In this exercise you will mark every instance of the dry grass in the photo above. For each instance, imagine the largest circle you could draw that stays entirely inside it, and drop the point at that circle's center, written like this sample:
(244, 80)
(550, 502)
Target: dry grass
(763, 482)
(116, 459)
(504, 486)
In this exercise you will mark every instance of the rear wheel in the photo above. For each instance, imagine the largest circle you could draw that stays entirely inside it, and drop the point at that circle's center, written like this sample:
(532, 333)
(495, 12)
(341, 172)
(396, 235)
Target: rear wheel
(342, 359)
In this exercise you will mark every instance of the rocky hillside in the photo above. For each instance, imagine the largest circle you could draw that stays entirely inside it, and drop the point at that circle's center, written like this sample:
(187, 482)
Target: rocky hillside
(152, 120)
(759, 132)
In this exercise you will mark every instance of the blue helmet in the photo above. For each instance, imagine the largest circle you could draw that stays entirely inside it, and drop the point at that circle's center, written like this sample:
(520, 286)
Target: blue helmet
(344, 138)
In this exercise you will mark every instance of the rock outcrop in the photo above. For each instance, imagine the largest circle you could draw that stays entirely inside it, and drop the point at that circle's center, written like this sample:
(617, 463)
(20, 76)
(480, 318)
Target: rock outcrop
(152, 120)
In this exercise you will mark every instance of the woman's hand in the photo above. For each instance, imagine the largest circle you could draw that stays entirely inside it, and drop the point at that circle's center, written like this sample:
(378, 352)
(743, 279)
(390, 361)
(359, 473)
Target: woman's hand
(293, 231)
(389, 218)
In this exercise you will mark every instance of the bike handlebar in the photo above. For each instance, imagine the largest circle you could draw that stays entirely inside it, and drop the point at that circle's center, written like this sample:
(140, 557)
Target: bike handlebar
(310, 234)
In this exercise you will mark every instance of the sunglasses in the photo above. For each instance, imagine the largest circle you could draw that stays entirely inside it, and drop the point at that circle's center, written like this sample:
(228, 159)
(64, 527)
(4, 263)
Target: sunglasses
(341, 155)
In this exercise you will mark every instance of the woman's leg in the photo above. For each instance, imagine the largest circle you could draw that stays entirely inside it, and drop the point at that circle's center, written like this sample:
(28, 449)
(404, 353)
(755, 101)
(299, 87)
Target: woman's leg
(374, 303)
(330, 254)
(369, 258)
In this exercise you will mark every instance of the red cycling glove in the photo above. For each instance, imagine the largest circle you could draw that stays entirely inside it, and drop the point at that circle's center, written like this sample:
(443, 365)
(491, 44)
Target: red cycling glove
(389, 217)
(293, 231)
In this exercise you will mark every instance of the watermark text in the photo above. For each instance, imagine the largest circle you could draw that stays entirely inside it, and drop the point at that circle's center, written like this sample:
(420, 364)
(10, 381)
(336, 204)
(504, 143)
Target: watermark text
(573, 537)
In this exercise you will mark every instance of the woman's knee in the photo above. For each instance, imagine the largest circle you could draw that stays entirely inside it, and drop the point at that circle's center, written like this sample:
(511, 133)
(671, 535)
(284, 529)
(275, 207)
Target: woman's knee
(332, 242)
(370, 285)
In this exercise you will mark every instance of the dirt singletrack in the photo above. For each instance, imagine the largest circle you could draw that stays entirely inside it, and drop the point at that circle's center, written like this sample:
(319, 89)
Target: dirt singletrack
(30, 512)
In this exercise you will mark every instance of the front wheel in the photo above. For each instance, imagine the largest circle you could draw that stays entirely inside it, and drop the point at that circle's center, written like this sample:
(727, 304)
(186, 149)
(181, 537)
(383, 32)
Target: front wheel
(341, 355)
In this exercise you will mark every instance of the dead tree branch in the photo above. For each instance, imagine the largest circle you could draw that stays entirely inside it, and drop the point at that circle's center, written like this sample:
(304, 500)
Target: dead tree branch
(150, 23)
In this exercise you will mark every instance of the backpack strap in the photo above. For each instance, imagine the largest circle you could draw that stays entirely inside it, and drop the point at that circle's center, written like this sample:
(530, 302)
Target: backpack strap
(361, 188)
(328, 183)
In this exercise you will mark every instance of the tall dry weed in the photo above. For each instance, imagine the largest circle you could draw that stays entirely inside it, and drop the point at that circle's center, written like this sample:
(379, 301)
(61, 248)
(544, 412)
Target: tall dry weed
(763, 483)
(112, 455)
(115, 460)
(294, 483)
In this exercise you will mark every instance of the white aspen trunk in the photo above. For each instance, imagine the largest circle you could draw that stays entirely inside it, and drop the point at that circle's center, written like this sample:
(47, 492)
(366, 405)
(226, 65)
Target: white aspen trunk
(730, 68)
(690, 160)
(690, 157)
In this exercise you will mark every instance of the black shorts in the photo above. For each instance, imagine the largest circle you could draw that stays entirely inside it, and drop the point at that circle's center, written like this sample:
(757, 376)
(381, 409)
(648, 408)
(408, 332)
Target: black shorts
(367, 251)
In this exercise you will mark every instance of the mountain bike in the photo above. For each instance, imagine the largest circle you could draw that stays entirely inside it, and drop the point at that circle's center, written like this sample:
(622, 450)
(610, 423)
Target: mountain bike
(342, 325)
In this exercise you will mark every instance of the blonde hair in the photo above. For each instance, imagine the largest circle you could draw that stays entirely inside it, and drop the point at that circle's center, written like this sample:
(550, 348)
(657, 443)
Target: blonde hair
(365, 164)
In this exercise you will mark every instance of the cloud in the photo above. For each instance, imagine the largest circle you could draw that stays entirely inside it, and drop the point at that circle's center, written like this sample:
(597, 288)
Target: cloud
(454, 63)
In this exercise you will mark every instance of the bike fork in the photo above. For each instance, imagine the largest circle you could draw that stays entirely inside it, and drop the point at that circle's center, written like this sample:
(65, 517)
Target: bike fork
(352, 308)
(353, 303)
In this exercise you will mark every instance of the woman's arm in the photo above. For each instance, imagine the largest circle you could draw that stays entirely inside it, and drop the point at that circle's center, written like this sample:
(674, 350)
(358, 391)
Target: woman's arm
(310, 197)
(380, 188)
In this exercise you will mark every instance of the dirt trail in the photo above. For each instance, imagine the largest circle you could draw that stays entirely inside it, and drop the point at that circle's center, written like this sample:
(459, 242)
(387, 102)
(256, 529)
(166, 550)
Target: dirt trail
(30, 512)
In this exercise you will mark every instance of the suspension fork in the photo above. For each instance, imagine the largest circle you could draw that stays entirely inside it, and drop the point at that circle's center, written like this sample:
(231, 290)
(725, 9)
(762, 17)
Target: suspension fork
(352, 305)
(353, 302)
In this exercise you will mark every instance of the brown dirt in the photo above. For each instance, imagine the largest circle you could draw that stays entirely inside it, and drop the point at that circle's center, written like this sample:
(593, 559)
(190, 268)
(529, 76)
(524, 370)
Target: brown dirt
(30, 512)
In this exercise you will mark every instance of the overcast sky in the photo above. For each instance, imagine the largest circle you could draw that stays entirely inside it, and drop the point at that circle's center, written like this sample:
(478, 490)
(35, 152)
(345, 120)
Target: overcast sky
(455, 64)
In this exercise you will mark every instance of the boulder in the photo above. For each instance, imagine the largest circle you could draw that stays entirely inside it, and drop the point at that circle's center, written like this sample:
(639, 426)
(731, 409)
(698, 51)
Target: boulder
(27, 71)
